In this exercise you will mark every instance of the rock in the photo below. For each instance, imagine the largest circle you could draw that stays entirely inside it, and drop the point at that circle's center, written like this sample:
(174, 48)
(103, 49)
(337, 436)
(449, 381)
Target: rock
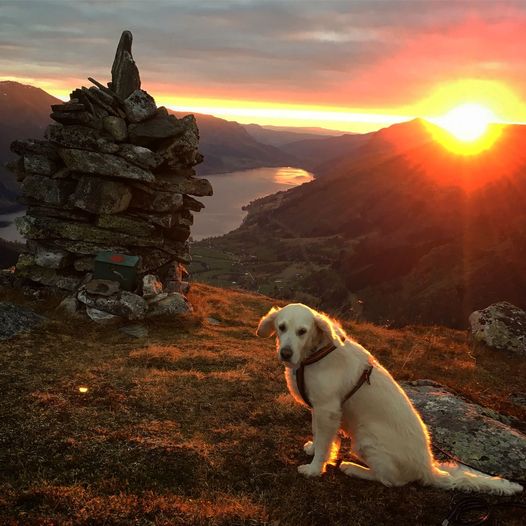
(100, 316)
(8, 278)
(139, 106)
(151, 286)
(16, 167)
(157, 202)
(116, 127)
(193, 204)
(173, 304)
(26, 267)
(181, 152)
(152, 259)
(156, 129)
(500, 326)
(38, 228)
(165, 220)
(125, 304)
(64, 212)
(103, 164)
(83, 118)
(127, 225)
(135, 331)
(183, 218)
(140, 156)
(181, 251)
(84, 264)
(213, 321)
(46, 190)
(178, 233)
(53, 258)
(100, 196)
(62, 173)
(87, 248)
(69, 106)
(470, 432)
(39, 164)
(156, 299)
(69, 306)
(125, 77)
(35, 146)
(81, 138)
(183, 185)
(15, 319)
(102, 287)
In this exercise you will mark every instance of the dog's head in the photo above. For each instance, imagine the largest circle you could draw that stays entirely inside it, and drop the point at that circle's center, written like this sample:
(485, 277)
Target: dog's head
(299, 331)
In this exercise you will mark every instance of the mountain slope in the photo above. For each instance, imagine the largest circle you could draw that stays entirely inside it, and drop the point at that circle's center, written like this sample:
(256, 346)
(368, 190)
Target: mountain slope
(280, 136)
(25, 114)
(227, 147)
(415, 234)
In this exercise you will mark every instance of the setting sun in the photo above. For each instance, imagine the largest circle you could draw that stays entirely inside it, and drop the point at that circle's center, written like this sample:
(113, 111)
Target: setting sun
(467, 122)
(467, 129)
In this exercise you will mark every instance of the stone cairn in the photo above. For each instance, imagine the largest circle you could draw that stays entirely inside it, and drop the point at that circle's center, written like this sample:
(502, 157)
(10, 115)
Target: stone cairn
(115, 173)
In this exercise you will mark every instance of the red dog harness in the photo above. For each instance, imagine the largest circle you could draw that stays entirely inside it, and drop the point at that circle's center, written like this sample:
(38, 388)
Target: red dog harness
(316, 357)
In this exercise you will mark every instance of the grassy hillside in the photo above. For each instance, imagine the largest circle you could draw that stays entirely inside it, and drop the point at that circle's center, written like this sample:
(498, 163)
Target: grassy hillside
(194, 426)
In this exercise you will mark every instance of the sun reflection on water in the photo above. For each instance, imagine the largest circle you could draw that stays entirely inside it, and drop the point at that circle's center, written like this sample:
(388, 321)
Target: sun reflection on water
(292, 176)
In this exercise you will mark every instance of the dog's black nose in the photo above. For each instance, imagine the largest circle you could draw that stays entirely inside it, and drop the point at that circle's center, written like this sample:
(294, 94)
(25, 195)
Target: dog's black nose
(285, 353)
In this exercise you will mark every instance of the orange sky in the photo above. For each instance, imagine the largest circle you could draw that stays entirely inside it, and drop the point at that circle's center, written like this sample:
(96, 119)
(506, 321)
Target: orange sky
(341, 65)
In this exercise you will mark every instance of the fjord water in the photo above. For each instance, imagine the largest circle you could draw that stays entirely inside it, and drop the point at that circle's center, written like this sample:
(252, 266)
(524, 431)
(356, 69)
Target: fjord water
(223, 211)
(233, 190)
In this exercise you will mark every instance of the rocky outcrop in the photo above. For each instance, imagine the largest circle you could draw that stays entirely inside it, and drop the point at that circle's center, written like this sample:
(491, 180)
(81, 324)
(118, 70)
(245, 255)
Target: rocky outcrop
(481, 437)
(15, 319)
(501, 326)
(115, 173)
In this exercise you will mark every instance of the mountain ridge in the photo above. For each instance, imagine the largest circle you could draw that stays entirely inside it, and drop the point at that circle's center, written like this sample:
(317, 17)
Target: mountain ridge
(396, 237)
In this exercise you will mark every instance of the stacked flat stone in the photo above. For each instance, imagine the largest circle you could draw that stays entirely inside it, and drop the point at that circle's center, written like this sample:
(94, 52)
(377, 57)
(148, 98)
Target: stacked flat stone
(114, 173)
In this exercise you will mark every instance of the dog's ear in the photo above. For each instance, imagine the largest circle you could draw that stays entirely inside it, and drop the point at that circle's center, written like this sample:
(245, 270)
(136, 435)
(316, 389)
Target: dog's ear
(331, 329)
(266, 323)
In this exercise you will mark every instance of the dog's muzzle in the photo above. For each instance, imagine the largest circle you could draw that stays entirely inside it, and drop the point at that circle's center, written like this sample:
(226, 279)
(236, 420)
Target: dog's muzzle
(285, 354)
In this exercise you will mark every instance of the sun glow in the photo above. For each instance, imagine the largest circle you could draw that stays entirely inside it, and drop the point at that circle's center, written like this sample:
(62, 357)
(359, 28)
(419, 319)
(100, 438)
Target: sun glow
(467, 122)
(468, 129)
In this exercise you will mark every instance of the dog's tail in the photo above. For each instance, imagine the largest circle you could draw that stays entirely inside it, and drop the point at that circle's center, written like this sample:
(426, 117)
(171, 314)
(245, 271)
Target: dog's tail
(455, 476)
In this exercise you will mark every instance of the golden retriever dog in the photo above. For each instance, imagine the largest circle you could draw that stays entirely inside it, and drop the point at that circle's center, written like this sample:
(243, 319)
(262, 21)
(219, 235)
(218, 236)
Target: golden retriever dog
(349, 390)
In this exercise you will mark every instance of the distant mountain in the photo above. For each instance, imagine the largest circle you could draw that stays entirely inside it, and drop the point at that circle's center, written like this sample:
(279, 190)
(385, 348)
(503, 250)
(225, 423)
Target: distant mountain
(400, 228)
(282, 135)
(25, 113)
(227, 147)
(314, 153)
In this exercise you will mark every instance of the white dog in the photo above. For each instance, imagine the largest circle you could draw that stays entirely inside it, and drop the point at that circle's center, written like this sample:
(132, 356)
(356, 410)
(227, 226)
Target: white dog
(345, 392)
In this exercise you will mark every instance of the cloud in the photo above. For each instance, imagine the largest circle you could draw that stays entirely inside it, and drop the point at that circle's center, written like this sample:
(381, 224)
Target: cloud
(346, 53)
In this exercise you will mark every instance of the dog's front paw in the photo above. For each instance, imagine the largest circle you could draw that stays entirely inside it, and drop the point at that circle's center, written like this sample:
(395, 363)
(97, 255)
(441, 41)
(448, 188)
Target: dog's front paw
(308, 447)
(310, 470)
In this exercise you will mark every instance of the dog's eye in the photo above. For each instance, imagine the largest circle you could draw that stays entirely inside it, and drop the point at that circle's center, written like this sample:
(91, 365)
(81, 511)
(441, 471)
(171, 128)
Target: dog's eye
(282, 327)
(301, 332)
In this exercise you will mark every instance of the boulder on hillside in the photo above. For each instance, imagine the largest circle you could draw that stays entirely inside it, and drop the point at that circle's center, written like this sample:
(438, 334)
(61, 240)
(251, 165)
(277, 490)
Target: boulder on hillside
(500, 326)
(15, 319)
(468, 431)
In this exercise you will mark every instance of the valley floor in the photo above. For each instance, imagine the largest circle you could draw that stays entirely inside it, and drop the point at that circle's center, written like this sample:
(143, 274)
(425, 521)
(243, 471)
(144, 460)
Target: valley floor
(193, 425)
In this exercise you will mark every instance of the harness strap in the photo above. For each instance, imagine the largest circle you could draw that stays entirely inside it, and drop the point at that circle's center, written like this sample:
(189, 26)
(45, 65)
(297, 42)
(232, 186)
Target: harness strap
(366, 377)
(316, 357)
